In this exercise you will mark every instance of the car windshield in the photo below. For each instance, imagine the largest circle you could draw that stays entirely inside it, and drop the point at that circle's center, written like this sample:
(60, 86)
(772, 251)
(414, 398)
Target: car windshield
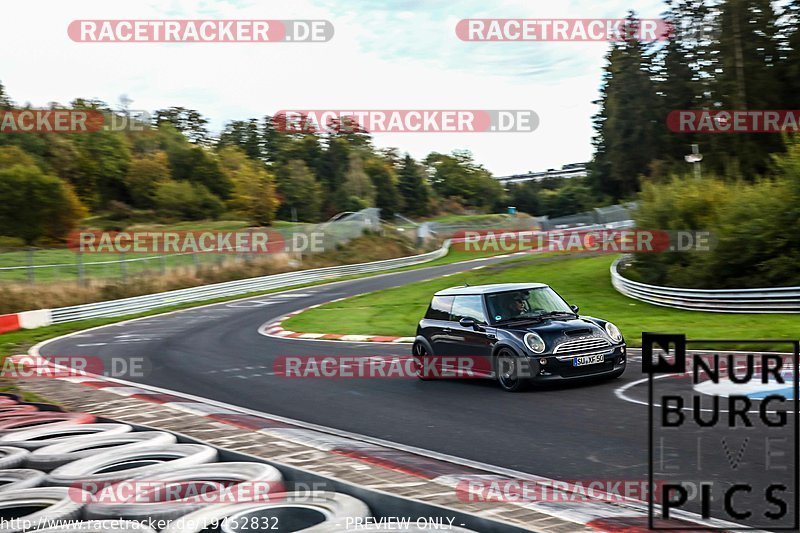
(526, 304)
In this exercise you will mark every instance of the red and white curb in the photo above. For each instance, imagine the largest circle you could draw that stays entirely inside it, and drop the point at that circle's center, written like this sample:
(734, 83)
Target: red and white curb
(25, 320)
(628, 516)
(275, 329)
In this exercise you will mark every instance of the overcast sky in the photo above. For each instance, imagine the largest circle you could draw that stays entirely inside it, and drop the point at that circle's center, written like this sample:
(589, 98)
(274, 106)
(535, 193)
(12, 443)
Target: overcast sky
(401, 54)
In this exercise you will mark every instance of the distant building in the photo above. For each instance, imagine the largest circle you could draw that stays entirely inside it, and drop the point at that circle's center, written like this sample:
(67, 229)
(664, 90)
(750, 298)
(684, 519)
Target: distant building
(572, 170)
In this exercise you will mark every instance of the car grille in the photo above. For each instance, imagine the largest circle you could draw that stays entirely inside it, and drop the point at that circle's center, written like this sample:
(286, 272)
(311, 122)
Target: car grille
(582, 345)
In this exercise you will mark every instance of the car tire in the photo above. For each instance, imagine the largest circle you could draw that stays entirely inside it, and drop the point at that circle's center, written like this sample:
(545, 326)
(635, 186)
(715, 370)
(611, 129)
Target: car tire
(11, 457)
(420, 352)
(54, 503)
(16, 409)
(20, 478)
(507, 367)
(51, 457)
(270, 476)
(110, 466)
(311, 513)
(39, 437)
(29, 420)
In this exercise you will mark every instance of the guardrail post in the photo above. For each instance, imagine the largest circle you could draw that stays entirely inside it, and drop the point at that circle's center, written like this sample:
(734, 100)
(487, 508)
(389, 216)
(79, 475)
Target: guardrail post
(123, 266)
(79, 266)
(31, 276)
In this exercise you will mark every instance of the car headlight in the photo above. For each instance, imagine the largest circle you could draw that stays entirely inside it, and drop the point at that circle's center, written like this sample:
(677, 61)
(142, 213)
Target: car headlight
(613, 332)
(534, 342)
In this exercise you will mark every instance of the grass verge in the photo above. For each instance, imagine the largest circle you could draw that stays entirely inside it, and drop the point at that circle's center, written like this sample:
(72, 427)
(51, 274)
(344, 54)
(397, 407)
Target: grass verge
(581, 281)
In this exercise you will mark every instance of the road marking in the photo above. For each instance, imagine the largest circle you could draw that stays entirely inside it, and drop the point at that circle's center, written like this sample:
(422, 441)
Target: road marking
(91, 344)
(251, 304)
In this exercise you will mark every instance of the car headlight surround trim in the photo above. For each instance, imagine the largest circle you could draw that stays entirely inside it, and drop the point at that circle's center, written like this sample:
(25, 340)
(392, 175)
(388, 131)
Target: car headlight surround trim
(535, 343)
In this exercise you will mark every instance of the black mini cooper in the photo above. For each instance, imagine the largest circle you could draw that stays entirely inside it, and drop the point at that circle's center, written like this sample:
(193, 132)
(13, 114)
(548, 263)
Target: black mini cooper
(516, 333)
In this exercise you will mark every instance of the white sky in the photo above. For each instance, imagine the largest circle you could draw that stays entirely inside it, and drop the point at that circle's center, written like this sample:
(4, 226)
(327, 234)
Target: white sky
(400, 54)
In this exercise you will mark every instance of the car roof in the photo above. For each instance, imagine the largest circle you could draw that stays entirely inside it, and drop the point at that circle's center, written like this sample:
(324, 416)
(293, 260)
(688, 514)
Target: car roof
(489, 289)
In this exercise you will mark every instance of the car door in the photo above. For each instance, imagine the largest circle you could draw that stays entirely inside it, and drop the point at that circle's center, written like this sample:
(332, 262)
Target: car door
(436, 325)
(471, 344)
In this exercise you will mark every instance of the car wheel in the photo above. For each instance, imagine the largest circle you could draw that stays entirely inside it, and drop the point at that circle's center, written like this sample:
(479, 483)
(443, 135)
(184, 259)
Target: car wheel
(420, 353)
(508, 371)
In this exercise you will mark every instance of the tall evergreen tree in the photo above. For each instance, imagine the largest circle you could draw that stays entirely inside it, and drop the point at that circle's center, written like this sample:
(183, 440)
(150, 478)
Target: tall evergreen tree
(413, 188)
(626, 123)
(746, 75)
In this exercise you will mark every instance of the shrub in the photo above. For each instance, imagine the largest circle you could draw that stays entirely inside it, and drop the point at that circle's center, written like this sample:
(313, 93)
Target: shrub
(186, 201)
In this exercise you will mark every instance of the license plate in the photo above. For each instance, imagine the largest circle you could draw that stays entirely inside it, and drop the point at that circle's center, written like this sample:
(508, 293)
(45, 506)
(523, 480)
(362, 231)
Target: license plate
(587, 360)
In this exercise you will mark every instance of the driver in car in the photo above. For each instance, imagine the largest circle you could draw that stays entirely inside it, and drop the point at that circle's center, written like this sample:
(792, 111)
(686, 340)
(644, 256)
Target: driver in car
(519, 305)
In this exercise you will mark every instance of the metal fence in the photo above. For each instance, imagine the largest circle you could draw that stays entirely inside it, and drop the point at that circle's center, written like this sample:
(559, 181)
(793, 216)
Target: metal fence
(148, 302)
(58, 265)
(767, 300)
(612, 216)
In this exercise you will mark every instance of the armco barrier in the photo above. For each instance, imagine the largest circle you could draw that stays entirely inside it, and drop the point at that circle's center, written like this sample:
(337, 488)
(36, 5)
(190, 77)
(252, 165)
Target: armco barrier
(767, 300)
(9, 323)
(137, 304)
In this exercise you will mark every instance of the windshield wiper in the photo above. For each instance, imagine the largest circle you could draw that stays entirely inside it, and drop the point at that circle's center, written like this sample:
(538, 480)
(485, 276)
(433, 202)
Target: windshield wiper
(519, 320)
(556, 313)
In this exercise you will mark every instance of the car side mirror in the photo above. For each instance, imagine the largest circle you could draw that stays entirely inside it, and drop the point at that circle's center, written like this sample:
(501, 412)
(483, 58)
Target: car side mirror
(574, 308)
(467, 322)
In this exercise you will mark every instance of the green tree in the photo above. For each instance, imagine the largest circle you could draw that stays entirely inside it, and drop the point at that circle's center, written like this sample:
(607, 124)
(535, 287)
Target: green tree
(186, 201)
(746, 76)
(414, 189)
(145, 173)
(35, 204)
(300, 193)
(334, 164)
(457, 176)
(625, 125)
(254, 194)
(357, 191)
(5, 100)
(245, 135)
(192, 163)
(101, 166)
(187, 121)
(384, 178)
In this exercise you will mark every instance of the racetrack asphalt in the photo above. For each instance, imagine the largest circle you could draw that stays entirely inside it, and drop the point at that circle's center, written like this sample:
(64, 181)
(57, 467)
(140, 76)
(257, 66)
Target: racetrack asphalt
(578, 431)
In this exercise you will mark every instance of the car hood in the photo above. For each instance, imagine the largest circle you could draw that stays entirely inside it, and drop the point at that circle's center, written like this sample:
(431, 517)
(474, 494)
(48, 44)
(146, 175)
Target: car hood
(562, 327)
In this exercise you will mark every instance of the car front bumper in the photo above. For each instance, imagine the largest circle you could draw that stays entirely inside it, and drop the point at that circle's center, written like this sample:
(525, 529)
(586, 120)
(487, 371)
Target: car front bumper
(562, 368)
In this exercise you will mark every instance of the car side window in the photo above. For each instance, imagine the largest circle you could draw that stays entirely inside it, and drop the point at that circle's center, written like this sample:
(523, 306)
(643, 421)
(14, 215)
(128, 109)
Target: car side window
(440, 308)
(468, 307)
